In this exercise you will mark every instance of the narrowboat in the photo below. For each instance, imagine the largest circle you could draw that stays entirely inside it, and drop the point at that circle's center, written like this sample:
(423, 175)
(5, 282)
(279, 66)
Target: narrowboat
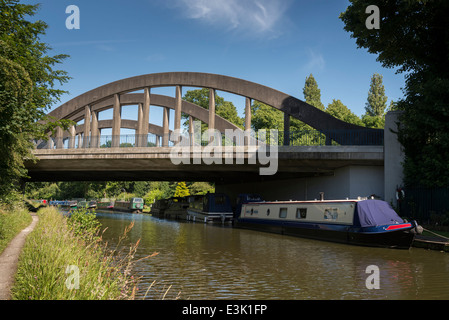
(65, 204)
(105, 205)
(211, 207)
(87, 204)
(366, 222)
(158, 208)
(176, 208)
(135, 205)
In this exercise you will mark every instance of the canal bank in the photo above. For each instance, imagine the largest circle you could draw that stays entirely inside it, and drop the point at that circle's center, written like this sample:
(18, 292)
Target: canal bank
(9, 259)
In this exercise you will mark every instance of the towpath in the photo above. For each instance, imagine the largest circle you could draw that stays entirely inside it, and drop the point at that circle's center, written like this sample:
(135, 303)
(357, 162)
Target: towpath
(9, 260)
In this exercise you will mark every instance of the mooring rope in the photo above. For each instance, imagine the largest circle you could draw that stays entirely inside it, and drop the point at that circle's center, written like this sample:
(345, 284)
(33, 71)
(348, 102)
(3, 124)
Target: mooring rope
(439, 235)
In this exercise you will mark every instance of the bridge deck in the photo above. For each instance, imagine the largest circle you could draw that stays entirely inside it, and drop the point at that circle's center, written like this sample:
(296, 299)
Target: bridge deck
(100, 164)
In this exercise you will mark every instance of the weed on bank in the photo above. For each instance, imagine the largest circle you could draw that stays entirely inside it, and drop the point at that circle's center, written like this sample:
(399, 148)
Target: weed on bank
(65, 259)
(13, 218)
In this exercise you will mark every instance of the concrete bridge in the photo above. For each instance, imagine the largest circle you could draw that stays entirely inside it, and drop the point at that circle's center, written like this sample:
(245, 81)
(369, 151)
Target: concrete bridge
(350, 163)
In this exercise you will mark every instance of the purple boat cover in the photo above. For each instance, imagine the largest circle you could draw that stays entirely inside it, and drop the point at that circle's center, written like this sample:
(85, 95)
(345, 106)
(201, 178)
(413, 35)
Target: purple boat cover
(372, 213)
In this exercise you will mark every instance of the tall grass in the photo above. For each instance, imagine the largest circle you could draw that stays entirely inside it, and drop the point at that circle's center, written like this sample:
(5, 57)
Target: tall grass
(61, 261)
(13, 218)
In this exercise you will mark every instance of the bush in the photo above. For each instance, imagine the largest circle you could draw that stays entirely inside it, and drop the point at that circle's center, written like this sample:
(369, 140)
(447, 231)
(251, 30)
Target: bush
(83, 222)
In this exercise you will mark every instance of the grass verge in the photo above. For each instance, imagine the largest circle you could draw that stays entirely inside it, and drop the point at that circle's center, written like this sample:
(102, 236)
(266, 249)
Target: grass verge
(65, 260)
(12, 220)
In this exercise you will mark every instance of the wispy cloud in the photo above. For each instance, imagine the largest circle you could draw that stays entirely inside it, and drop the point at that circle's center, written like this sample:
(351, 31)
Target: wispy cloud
(257, 17)
(315, 61)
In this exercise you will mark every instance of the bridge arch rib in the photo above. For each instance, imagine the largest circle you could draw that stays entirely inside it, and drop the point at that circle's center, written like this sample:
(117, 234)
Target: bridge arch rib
(290, 105)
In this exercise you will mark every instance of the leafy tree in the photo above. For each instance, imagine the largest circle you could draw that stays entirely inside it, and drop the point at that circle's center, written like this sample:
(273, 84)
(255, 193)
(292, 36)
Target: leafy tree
(223, 108)
(27, 89)
(181, 190)
(338, 110)
(266, 117)
(201, 188)
(374, 116)
(414, 37)
(377, 100)
(312, 94)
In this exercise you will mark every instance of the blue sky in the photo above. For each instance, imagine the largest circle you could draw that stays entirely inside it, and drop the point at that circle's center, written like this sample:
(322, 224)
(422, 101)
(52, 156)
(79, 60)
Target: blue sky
(277, 43)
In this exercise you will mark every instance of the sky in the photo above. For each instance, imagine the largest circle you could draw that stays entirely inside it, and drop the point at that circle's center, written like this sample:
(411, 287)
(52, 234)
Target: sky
(276, 43)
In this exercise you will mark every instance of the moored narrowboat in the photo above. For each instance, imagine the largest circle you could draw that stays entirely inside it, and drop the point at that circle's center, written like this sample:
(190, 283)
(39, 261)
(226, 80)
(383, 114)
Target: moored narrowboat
(211, 207)
(176, 208)
(158, 208)
(105, 205)
(92, 204)
(135, 205)
(360, 222)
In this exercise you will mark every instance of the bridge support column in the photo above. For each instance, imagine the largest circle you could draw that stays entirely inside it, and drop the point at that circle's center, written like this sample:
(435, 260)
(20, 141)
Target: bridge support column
(143, 120)
(247, 120)
(95, 132)
(211, 108)
(178, 107)
(59, 137)
(286, 129)
(166, 129)
(87, 115)
(72, 139)
(393, 157)
(116, 122)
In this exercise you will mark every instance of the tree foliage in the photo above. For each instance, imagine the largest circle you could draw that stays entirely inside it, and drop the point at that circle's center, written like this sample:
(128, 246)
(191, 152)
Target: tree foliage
(27, 88)
(414, 37)
(312, 94)
(376, 104)
(223, 108)
(338, 110)
(181, 190)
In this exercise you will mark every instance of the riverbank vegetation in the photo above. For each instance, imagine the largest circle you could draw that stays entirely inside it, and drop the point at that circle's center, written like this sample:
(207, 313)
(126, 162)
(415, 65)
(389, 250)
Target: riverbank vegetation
(65, 259)
(148, 190)
(13, 218)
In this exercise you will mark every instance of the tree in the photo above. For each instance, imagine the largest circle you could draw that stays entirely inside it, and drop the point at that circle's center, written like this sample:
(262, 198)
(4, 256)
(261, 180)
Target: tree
(223, 108)
(201, 187)
(312, 94)
(27, 89)
(414, 37)
(266, 117)
(181, 190)
(338, 110)
(374, 116)
(377, 100)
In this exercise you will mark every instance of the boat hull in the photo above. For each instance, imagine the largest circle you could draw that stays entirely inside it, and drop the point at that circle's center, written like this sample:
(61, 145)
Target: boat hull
(373, 237)
(202, 216)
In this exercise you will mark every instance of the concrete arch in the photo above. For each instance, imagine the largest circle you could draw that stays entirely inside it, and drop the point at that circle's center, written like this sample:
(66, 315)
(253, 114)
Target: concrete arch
(156, 100)
(290, 105)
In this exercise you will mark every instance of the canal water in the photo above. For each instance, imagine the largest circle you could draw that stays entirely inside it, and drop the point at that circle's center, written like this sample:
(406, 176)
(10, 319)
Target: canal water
(199, 261)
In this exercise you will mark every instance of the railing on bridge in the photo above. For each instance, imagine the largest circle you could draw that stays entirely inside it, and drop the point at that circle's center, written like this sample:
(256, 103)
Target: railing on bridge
(294, 138)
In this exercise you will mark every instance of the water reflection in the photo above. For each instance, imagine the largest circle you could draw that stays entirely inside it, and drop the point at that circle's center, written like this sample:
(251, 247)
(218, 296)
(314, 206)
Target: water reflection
(214, 262)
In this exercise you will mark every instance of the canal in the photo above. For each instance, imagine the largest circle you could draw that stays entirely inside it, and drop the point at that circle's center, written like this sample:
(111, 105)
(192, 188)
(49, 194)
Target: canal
(198, 261)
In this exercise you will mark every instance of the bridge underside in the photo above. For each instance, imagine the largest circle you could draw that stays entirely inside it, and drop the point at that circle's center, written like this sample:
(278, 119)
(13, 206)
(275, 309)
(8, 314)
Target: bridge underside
(152, 164)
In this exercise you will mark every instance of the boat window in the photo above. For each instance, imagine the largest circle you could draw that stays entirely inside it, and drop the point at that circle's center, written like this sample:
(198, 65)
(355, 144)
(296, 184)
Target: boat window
(252, 211)
(301, 213)
(331, 214)
(268, 212)
(283, 213)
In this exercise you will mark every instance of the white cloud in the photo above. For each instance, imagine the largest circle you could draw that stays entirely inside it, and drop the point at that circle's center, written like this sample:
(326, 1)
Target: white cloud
(260, 17)
(315, 61)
